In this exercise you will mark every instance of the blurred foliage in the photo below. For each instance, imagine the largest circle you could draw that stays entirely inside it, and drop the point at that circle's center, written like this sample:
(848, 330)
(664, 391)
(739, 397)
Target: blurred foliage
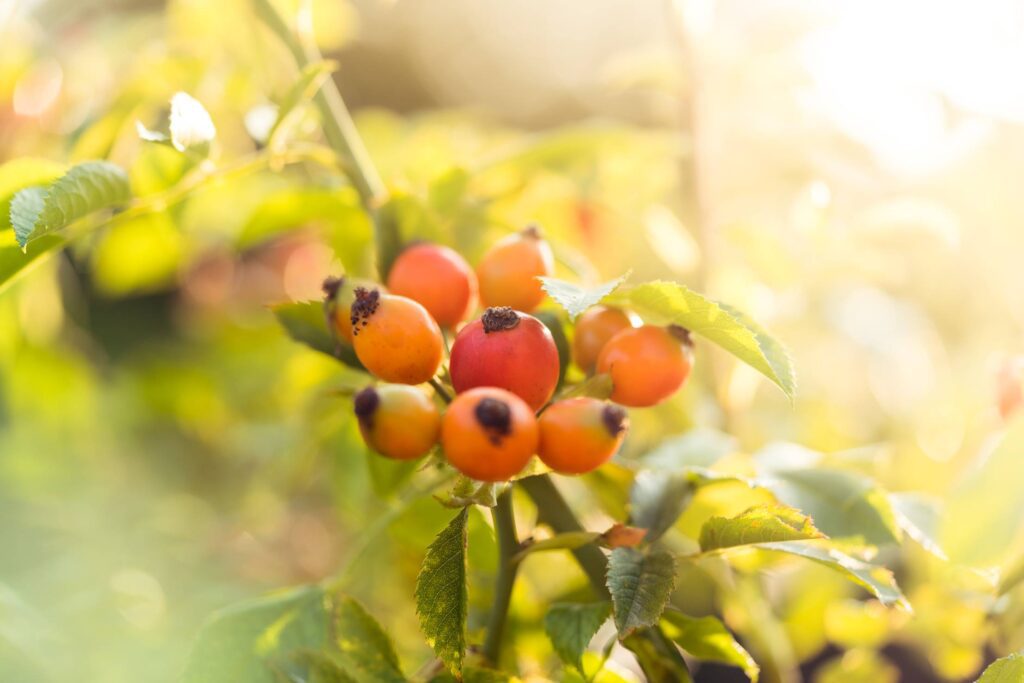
(167, 451)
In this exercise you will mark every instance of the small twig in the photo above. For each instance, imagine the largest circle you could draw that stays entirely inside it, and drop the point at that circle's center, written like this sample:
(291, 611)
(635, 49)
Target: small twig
(441, 391)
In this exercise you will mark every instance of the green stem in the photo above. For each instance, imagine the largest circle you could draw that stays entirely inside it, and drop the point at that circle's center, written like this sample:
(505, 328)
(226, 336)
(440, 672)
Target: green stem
(441, 391)
(508, 546)
(657, 655)
(336, 120)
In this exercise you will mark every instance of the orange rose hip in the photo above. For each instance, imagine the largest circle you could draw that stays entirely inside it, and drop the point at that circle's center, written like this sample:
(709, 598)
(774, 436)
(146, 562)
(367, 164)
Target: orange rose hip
(438, 278)
(397, 420)
(593, 329)
(578, 435)
(647, 364)
(489, 434)
(508, 271)
(395, 338)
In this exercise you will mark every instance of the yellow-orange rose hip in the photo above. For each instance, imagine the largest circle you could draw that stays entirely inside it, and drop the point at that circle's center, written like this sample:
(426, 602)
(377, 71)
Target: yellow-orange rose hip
(647, 364)
(395, 338)
(489, 434)
(339, 293)
(578, 435)
(508, 271)
(397, 420)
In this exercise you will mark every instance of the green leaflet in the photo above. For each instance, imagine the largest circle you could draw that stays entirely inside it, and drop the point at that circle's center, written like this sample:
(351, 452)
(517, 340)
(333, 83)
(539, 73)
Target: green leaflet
(442, 602)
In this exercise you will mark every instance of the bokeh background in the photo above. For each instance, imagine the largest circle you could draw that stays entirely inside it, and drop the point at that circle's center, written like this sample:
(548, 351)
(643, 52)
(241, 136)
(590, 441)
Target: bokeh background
(847, 173)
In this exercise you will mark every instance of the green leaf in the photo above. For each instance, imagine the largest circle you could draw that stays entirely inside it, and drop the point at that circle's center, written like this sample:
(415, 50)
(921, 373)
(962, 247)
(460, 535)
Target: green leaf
(657, 499)
(86, 188)
(367, 653)
(570, 540)
(640, 585)
(1009, 669)
(571, 626)
(877, 580)
(708, 639)
(696, 450)
(841, 503)
(554, 325)
(18, 174)
(666, 303)
(918, 515)
(309, 81)
(575, 299)
(597, 386)
(400, 214)
(473, 674)
(441, 596)
(306, 323)
(15, 261)
(387, 474)
(466, 491)
(759, 524)
(236, 643)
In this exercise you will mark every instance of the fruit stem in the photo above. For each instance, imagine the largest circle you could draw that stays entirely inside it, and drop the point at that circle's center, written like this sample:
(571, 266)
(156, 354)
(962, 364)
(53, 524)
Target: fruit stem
(508, 547)
(441, 391)
(651, 647)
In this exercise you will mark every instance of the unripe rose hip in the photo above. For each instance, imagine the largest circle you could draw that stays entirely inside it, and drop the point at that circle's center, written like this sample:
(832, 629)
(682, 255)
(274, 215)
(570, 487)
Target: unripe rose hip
(395, 338)
(647, 364)
(438, 278)
(507, 349)
(397, 420)
(580, 434)
(489, 434)
(508, 271)
(339, 293)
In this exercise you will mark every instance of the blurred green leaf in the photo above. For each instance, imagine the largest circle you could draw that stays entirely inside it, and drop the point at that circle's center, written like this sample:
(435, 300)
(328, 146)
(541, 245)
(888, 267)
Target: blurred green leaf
(842, 504)
(596, 386)
(466, 491)
(15, 261)
(397, 220)
(18, 174)
(707, 638)
(696, 450)
(1009, 669)
(640, 585)
(657, 499)
(442, 601)
(387, 474)
(236, 643)
(570, 540)
(473, 674)
(575, 299)
(306, 323)
(918, 515)
(138, 255)
(664, 303)
(367, 653)
(571, 626)
(877, 580)
(84, 189)
(554, 325)
(759, 524)
(309, 81)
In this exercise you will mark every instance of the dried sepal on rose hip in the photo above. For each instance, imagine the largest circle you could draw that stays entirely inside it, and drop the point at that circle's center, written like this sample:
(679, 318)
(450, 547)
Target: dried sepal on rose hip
(397, 420)
(395, 338)
(580, 434)
(594, 328)
(508, 272)
(339, 294)
(438, 278)
(489, 434)
(647, 364)
(507, 349)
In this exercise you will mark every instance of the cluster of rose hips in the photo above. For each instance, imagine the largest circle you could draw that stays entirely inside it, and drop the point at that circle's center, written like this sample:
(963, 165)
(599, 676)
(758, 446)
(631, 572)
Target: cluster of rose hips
(503, 366)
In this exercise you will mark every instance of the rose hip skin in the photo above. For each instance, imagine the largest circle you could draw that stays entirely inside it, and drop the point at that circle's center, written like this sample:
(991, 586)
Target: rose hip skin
(647, 364)
(508, 271)
(395, 338)
(439, 279)
(506, 349)
(580, 434)
(339, 293)
(489, 434)
(397, 420)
